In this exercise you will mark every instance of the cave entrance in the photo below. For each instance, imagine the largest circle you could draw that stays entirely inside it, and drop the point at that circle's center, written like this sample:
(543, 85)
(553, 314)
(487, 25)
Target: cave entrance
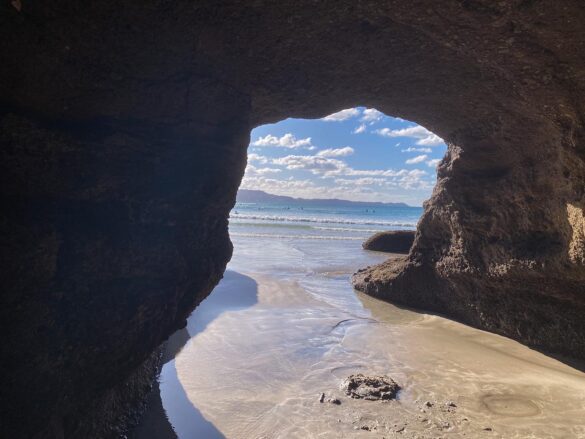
(284, 326)
(344, 176)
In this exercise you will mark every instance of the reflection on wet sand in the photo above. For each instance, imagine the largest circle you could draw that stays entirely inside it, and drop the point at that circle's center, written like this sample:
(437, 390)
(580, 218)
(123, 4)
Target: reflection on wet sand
(170, 413)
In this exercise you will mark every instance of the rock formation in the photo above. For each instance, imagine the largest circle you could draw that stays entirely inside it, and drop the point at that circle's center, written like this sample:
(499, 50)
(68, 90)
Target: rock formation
(370, 387)
(393, 241)
(124, 128)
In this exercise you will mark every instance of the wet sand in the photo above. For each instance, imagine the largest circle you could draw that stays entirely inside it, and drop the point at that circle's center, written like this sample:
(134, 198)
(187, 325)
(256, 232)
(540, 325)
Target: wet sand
(267, 343)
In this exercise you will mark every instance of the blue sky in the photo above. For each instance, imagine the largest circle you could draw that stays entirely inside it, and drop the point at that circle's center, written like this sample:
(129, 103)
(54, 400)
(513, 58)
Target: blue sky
(355, 154)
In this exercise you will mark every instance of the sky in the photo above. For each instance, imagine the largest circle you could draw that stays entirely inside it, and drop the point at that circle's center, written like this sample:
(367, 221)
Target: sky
(355, 154)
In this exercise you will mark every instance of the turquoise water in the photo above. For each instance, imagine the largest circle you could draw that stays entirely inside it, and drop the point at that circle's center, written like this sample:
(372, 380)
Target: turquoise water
(342, 222)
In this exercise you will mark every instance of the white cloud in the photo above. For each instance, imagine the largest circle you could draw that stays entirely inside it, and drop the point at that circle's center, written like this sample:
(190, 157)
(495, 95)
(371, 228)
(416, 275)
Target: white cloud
(286, 141)
(325, 173)
(414, 180)
(257, 158)
(342, 115)
(254, 171)
(337, 152)
(275, 186)
(326, 167)
(360, 189)
(365, 181)
(313, 163)
(346, 170)
(371, 116)
(424, 136)
(412, 149)
(417, 159)
(411, 180)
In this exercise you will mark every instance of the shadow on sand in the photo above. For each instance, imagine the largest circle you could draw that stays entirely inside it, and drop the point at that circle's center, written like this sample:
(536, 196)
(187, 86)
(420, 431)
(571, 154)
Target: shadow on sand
(170, 413)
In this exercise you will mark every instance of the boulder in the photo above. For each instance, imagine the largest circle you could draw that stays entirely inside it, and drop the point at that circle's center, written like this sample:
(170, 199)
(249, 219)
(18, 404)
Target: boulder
(393, 241)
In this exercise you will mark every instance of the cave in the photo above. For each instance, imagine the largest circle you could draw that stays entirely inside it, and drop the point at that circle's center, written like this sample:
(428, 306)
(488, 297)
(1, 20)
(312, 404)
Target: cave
(124, 129)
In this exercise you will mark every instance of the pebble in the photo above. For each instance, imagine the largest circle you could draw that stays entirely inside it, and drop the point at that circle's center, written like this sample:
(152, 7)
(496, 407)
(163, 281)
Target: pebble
(322, 397)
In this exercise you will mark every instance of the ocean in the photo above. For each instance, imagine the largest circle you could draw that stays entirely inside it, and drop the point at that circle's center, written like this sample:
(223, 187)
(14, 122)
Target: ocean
(342, 222)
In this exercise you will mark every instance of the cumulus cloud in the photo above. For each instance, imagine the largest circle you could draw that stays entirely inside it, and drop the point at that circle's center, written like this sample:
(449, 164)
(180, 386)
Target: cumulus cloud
(254, 171)
(424, 136)
(417, 159)
(405, 179)
(414, 180)
(257, 158)
(275, 186)
(364, 181)
(327, 167)
(315, 164)
(336, 152)
(342, 115)
(360, 189)
(312, 172)
(412, 149)
(287, 141)
(371, 116)
(349, 171)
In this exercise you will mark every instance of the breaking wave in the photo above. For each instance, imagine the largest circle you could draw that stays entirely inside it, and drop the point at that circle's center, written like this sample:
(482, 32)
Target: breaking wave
(323, 220)
(346, 229)
(270, 235)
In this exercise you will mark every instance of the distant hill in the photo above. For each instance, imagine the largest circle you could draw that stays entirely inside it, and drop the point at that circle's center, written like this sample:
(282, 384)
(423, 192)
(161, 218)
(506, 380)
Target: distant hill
(254, 196)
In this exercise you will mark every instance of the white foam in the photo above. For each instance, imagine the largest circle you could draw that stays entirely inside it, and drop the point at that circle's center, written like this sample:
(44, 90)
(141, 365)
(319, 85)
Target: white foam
(270, 235)
(321, 220)
(345, 229)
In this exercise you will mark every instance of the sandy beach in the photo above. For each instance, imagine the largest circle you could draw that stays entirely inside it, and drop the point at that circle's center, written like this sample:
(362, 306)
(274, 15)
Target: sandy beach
(280, 331)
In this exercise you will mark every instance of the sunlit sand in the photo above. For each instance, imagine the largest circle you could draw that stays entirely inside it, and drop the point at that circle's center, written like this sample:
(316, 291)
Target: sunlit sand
(285, 326)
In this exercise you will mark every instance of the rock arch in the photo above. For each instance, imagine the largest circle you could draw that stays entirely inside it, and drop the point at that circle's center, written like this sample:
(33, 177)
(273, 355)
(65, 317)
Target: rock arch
(124, 129)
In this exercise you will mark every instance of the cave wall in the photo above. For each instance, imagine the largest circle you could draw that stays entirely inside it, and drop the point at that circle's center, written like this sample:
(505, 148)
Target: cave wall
(124, 129)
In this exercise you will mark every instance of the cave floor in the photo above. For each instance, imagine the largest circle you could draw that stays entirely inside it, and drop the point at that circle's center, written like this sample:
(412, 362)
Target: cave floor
(284, 326)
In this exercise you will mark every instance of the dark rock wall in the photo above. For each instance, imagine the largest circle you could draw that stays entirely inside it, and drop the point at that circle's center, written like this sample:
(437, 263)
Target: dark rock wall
(124, 128)
(111, 242)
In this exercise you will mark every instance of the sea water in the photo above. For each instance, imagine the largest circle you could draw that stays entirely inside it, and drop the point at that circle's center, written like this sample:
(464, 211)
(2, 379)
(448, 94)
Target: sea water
(342, 222)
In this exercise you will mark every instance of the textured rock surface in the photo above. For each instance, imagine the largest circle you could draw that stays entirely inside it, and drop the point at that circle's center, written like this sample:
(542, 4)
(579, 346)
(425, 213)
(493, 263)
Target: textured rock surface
(123, 133)
(394, 241)
(370, 387)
